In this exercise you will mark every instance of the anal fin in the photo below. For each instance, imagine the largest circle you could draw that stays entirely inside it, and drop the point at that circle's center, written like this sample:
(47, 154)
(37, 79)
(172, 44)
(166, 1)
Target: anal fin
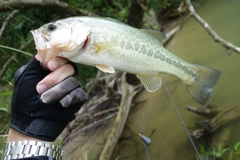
(150, 82)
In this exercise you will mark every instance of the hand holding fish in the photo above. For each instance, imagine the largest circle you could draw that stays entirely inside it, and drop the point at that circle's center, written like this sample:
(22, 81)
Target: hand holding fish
(60, 70)
(44, 116)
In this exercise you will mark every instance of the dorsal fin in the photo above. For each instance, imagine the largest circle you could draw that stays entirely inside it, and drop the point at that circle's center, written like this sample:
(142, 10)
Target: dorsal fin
(156, 34)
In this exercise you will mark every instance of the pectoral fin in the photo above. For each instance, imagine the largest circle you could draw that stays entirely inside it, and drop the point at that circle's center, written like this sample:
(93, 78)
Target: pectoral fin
(150, 82)
(104, 45)
(104, 68)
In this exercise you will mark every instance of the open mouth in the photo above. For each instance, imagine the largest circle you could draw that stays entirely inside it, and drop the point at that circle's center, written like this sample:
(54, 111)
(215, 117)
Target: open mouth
(41, 42)
(45, 37)
(40, 39)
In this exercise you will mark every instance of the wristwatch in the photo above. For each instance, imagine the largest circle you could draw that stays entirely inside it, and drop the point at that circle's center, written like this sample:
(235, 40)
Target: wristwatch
(22, 149)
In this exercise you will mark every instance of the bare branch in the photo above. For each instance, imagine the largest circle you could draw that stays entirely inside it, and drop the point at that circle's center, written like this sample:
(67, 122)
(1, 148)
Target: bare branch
(57, 5)
(14, 57)
(229, 46)
(128, 93)
(6, 22)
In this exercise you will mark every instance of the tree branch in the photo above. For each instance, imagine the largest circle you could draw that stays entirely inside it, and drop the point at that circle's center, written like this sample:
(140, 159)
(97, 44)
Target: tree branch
(6, 22)
(128, 92)
(60, 6)
(229, 46)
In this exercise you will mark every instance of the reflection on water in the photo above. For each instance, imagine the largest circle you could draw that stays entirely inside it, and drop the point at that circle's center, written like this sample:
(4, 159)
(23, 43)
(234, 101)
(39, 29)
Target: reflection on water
(156, 117)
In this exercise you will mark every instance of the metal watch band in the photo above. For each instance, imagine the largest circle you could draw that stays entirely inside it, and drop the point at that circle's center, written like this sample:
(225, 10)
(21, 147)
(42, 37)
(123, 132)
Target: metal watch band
(22, 149)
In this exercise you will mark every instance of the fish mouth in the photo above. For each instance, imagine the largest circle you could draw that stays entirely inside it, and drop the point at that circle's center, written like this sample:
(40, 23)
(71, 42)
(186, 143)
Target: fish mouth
(40, 40)
(45, 52)
(45, 36)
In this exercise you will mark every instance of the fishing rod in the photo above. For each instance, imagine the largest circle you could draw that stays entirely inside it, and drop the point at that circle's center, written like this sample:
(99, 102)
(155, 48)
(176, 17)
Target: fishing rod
(181, 120)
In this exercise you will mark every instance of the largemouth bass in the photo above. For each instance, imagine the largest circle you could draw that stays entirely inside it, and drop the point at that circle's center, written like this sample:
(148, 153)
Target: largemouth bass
(110, 45)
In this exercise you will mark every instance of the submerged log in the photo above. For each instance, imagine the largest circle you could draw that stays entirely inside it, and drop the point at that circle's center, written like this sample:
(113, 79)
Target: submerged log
(219, 118)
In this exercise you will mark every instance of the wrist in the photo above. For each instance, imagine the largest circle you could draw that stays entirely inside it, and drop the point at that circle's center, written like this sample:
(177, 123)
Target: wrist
(23, 146)
(14, 136)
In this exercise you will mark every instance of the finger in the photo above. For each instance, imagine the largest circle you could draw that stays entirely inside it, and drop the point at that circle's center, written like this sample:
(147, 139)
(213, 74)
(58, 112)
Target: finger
(75, 97)
(55, 77)
(56, 63)
(37, 57)
(60, 90)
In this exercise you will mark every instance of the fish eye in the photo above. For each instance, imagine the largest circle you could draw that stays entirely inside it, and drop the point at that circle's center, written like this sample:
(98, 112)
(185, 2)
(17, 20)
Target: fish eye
(51, 27)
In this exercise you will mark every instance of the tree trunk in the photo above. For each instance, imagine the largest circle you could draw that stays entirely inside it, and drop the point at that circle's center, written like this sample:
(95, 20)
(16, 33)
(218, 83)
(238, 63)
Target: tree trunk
(136, 13)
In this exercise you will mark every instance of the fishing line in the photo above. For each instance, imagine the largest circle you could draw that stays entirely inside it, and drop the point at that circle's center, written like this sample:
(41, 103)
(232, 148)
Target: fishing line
(147, 152)
(145, 139)
(180, 117)
(145, 146)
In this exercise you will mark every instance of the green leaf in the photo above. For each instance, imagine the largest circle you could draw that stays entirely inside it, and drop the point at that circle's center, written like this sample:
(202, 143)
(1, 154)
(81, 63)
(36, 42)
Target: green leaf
(236, 146)
(224, 150)
(16, 50)
(202, 150)
(5, 93)
(4, 109)
(220, 151)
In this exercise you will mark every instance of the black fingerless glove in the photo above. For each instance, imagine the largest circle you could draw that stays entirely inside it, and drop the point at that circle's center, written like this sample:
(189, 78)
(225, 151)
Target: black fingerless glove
(43, 116)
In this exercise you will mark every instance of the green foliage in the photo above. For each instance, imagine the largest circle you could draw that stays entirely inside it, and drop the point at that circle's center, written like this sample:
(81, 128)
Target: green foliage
(58, 142)
(4, 117)
(16, 50)
(107, 8)
(228, 153)
(202, 150)
(16, 34)
(236, 148)
(85, 73)
(3, 110)
(6, 93)
(159, 5)
(220, 152)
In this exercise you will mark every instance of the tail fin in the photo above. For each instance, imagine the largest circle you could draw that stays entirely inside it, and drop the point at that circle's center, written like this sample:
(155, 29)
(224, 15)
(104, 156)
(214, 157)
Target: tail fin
(201, 90)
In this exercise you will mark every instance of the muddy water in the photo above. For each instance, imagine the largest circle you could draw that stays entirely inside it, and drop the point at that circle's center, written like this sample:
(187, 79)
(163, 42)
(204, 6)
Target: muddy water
(157, 118)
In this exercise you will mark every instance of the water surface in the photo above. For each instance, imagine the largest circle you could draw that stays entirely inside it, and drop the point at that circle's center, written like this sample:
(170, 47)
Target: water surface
(156, 116)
